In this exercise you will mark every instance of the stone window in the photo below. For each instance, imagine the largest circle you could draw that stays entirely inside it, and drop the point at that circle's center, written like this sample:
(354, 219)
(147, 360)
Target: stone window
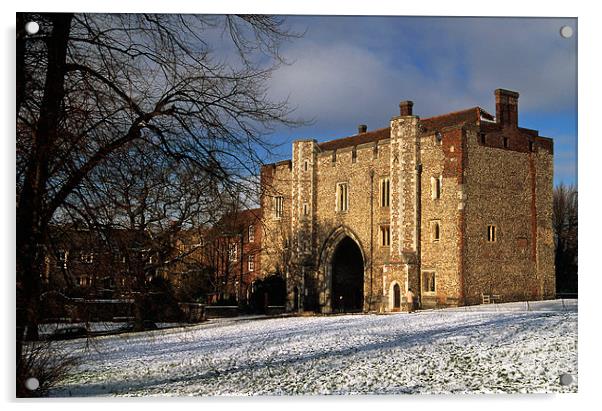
(428, 282)
(278, 206)
(491, 233)
(342, 200)
(305, 165)
(233, 252)
(385, 192)
(354, 155)
(305, 209)
(251, 262)
(251, 233)
(435, 231)
(436, 187)
(506, 142)
(385, 236)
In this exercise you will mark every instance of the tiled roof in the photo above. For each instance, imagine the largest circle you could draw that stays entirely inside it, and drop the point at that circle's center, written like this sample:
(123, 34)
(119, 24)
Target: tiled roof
(363, 138)
(471, 115)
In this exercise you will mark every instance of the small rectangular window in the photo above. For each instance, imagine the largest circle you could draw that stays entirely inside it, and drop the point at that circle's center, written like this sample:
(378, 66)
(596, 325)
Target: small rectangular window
(251, 262)
(385, 192)
(251, 233)
(354, 155)
(435, 231)
(436, 185)
(305, 209)
(305, 165)
(428, 282)
(491, 233)
(342, 201)
(506, 142)
(278, 206)
(385, 236)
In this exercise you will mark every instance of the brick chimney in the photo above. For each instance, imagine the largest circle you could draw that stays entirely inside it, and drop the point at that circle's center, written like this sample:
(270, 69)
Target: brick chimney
(506, 107)
(405, 108)
(362, 128)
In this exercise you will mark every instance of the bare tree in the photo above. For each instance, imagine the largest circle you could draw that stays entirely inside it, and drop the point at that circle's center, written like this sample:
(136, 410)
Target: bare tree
(565, 235)
(90, 85)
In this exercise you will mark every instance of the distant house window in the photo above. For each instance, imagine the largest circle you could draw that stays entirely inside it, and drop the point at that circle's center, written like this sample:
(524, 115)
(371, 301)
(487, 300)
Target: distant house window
(342, 197)
(385, 192)
(491, 233)
(233, 252)
(436, 186)
(506, 142)
(251, 262)
(251, 233)
(61, 259)
(428, 282)
(278, 206)
(435, 231)
(385, 236)
(87, 258)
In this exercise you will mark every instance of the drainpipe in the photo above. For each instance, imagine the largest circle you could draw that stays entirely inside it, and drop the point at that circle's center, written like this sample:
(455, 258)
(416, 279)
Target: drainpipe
(419, 228)
(371, 236)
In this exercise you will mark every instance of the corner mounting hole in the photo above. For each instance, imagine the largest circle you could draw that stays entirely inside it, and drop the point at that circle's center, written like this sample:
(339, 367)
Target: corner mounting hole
(32, 384)
(32, 27)
(566, 32)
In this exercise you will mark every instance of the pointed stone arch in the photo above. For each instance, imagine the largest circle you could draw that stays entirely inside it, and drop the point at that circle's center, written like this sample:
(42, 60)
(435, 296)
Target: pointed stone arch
(325, 265)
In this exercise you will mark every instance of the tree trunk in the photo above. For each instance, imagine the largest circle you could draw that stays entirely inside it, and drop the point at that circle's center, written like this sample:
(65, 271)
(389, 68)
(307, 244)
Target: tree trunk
(31, 216)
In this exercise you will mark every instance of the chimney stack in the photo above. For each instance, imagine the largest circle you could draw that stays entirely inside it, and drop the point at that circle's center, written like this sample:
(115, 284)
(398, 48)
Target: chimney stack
(362, 128)
(405, 108)
(506, 107)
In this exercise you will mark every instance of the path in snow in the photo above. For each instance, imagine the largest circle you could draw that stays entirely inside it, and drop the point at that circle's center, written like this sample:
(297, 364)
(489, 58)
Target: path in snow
(444, 351)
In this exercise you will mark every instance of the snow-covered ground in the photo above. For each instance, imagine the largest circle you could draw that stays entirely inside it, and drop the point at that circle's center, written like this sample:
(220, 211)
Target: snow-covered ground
(501, 348)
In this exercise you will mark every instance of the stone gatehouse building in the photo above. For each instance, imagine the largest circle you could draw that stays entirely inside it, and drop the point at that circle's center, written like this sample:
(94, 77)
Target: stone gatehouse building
(454, 207)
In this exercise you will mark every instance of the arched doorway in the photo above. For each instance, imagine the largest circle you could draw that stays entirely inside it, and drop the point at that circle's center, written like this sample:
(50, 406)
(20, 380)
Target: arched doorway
(396, 297)
(347, 277)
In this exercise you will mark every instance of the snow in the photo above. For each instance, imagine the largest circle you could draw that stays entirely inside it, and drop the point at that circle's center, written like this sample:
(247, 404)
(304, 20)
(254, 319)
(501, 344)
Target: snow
(499, 348)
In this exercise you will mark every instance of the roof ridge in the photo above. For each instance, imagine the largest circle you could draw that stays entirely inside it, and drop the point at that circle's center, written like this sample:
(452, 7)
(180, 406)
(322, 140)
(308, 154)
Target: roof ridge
(451, 113)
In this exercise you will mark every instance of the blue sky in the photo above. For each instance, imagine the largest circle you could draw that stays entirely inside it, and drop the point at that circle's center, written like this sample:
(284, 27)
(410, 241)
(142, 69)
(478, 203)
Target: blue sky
(350, 70)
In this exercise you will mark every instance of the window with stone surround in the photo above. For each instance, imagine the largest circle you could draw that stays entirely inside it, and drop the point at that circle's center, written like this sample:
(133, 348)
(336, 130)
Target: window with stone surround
(61, 259)
(435, 230)
(251, 233)
(305, 165)
(87, 258)
(342, 199)
(491, 233)
(251, 262)
(436, 186)
(385, 192)
(428, 282)
(385, 235)
(278, 206)
(305, 209)
(233, 251)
